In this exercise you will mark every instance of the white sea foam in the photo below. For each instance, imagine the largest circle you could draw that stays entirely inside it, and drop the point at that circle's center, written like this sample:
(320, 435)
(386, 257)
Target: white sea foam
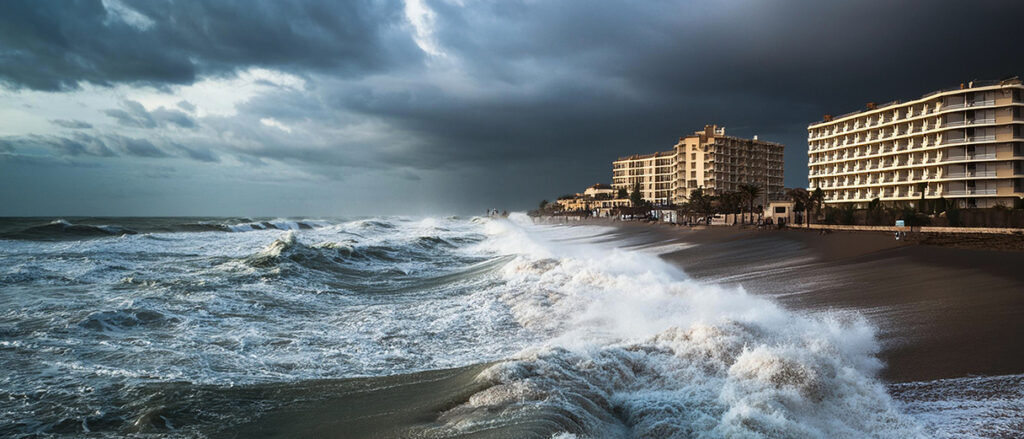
(601, 339)
(635, 348)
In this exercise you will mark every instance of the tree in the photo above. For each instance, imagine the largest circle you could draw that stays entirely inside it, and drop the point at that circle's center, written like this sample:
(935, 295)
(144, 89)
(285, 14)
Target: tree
(543, 204)
(622, 193)
(750, 192)
(800, 199)
(701, 204)
(730, 203)
(816, 198)
(874, 212)
(636, 198)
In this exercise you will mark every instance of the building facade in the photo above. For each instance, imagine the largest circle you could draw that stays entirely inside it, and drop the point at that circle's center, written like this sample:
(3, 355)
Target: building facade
(962, 144)
(719, 163)
(655, 173)
(600, 191)
(707, 159)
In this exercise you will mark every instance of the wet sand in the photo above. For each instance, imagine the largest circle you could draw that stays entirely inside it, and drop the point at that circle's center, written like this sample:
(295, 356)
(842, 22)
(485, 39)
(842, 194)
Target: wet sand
(942, 312)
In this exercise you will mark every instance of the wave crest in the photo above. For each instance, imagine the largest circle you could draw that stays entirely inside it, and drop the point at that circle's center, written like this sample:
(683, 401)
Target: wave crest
(635, 349)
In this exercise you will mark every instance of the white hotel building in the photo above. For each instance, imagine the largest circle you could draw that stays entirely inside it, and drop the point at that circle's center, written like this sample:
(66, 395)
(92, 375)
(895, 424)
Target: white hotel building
(962, 144)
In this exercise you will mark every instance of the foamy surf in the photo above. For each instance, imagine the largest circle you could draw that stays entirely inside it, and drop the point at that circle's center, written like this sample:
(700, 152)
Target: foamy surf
(552, 331)
(633, 348)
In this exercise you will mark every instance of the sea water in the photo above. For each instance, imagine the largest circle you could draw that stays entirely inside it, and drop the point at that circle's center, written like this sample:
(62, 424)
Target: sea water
(196, 327)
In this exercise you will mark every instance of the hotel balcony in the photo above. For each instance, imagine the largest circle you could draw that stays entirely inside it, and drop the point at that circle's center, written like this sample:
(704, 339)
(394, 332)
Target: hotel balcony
(972, 192)
(953, 158)
(975, 174)
(959, 140)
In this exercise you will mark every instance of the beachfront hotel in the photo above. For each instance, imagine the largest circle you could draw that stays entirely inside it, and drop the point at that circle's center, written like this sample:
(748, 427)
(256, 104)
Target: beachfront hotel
(655, 173)
(707, 159)
(963, 144)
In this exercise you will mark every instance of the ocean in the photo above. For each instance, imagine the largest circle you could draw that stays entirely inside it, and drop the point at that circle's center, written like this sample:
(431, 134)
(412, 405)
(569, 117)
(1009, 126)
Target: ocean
(429, 327)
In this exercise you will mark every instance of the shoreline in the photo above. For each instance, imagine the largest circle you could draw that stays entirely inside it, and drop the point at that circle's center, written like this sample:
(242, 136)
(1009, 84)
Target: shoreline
(942, 310)
(963, 237)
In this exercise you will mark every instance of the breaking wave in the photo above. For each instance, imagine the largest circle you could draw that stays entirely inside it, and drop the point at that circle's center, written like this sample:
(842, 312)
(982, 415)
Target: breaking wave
(61, 229)
(635, 349)
(566, 334)
(88, 228)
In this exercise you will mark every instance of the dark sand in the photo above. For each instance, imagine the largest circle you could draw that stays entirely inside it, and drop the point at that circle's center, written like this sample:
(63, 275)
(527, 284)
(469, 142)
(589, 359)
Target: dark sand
(942, 312)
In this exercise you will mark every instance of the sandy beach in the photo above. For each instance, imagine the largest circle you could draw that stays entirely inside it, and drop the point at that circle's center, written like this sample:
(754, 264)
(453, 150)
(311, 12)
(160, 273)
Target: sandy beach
(942, 312)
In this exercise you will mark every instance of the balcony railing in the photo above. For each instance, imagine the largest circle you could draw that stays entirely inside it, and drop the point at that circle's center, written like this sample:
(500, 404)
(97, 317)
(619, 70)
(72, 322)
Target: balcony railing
(976, 174)
(953, 158)
(956, 140)
(973, 192)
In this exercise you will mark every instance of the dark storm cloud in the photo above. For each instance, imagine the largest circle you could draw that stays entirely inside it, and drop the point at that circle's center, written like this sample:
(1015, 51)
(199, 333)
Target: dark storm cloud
(72, 124)
(139, 147)
(47, 46)
(136, 116)
(103, 146)
(542, 94)
(47, 162)
(78, 144)
(611, 78)
(197, 153)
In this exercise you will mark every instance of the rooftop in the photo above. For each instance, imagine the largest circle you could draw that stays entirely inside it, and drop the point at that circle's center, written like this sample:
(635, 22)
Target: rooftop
(963, 86)
(647, 156)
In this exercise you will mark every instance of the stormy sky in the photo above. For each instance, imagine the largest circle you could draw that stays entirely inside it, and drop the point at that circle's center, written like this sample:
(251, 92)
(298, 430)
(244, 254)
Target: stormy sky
(163, 107)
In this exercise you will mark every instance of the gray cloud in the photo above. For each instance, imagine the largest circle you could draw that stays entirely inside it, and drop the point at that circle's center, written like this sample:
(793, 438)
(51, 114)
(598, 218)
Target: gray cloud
(78, 144)
(197, 153)
(625, 77)
(139, 147)
(73, 124)
(106, 145)
(136, 116)
(544, 94)
(47, 47)
(42, 161)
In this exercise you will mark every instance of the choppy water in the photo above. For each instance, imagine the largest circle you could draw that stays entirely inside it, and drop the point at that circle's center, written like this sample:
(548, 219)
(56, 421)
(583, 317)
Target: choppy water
(211, 327)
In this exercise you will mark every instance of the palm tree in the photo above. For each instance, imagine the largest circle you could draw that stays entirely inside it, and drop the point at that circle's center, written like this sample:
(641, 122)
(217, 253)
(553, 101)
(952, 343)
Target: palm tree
(800, 199)
(702, 204)
(730, 203)
(816, 199)
(636, 198)
(874, 212)
(750, 192)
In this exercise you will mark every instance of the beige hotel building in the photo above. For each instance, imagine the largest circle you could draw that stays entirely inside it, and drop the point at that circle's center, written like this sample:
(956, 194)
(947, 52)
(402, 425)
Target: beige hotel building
(964, 144)
(707, 158)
